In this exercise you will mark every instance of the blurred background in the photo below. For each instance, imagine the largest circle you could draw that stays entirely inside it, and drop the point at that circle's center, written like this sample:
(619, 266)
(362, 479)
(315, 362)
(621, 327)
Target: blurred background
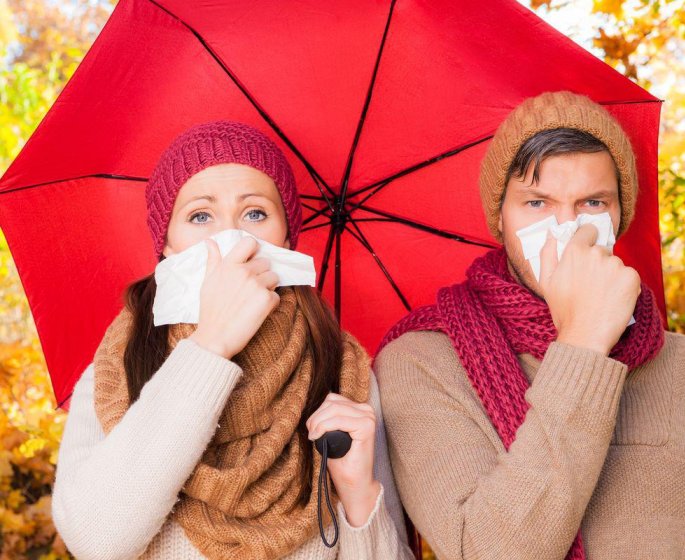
(42, 43)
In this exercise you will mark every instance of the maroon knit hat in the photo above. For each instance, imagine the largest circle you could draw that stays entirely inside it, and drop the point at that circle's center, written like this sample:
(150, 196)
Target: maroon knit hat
(210, 144)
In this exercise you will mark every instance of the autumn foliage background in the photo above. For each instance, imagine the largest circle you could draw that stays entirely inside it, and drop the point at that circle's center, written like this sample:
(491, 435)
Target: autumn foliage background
(41, 44)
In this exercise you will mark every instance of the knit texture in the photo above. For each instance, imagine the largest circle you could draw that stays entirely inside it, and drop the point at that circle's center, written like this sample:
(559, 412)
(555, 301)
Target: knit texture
(490, 318)
(241, 500)
(114, 494)
(561, 109)
(211, 144)
(600, 449)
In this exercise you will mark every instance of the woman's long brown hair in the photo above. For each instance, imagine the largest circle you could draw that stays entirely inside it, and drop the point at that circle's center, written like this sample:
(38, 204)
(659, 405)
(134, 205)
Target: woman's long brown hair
(148, 347)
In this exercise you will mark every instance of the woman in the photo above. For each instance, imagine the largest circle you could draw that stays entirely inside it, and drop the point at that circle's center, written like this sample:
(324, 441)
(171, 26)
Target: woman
(193, 441)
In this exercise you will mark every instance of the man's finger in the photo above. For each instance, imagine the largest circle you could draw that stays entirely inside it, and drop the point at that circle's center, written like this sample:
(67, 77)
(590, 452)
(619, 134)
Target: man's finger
(549, 260)
(586, 235)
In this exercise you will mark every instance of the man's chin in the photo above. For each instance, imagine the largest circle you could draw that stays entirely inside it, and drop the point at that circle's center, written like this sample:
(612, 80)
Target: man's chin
(525, 279)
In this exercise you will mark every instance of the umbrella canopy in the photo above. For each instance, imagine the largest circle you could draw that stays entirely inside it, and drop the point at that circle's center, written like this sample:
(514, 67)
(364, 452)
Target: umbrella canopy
(384, 109)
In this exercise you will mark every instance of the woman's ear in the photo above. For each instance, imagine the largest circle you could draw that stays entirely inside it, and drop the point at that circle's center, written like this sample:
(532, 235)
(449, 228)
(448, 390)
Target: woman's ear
(167, 251)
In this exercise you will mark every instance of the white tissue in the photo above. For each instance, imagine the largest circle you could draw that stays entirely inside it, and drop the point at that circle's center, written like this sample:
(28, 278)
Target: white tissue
(533, 237)
(179, 277)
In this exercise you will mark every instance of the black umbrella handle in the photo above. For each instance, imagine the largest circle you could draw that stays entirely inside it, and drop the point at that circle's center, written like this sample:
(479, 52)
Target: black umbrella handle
(335, 445)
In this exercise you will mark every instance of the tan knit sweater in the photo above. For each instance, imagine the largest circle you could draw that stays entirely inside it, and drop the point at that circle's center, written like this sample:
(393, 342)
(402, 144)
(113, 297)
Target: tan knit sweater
(599, 447)
(113, 493)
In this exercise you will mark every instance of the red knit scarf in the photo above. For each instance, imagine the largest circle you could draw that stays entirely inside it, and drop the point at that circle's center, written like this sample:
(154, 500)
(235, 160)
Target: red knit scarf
(490, 318)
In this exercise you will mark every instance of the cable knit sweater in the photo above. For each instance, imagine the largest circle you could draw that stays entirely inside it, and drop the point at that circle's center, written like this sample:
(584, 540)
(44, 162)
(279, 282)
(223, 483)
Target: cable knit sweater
(113, 493)
(600, 449)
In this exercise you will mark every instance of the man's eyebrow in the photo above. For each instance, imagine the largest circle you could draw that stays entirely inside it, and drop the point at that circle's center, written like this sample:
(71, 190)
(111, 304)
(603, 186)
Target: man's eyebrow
(602, 194)
(527, 191)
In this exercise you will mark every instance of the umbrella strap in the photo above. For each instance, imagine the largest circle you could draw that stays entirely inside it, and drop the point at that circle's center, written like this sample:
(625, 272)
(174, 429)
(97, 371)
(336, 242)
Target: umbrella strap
(323, 488)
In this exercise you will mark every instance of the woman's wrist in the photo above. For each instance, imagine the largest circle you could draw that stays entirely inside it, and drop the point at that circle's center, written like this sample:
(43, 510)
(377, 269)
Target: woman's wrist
(198, 338)
(359, 503)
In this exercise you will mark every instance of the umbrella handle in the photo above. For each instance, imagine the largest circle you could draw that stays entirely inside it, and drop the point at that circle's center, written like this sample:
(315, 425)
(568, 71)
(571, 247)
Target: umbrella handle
(335, 445)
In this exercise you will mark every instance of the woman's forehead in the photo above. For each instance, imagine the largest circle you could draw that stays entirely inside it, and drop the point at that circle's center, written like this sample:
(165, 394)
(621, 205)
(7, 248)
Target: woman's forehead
(230, 179)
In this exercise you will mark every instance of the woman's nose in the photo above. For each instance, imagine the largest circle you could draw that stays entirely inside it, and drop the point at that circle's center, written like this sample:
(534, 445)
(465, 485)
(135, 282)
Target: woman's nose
(226, 223)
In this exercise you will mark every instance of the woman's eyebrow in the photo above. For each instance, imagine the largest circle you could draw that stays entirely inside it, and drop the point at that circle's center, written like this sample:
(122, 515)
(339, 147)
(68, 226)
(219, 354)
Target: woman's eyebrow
(208, 197)
(247, 195)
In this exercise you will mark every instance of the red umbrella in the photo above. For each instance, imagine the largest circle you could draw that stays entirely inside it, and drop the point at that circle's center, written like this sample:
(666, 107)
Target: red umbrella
(384, 108)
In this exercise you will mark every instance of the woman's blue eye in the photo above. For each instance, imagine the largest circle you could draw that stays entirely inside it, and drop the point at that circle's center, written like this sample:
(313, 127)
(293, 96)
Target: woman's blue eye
(255, 215)
(202, 218)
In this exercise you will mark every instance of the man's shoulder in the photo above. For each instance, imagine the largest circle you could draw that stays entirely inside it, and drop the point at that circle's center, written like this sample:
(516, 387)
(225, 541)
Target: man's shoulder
(419, 345)
(674, 350)
(419, 356)
(668, 366)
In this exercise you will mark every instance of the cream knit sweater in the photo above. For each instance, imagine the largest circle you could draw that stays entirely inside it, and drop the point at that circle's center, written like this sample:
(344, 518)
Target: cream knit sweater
(113, 494)
(599, 448)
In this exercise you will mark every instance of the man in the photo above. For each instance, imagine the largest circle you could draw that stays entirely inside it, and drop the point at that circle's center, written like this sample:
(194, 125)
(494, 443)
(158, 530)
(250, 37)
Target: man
(524, 419)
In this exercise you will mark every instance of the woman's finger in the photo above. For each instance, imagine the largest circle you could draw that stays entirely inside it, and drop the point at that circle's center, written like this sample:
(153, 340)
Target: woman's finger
(359, 427)
(243, 251)
(269, 279)
(213, 256)
(324, 414)
(334, 399)
(258, 265)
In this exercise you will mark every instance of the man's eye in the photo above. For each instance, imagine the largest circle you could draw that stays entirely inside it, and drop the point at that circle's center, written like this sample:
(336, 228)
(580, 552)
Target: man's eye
(595, 203)
(199, 218)
(535, 203)
(255, 215)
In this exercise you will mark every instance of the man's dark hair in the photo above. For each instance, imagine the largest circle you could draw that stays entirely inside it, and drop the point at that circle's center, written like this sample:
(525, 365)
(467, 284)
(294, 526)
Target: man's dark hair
(554, 142)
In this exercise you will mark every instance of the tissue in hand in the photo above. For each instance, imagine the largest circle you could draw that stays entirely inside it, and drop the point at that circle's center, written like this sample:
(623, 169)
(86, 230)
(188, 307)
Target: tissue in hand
(179, 277)
(534, 236)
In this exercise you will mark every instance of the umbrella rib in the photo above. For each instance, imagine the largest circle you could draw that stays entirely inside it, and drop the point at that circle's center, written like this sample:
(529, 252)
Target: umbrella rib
(365, 243)
(65, 399)
(325, 258)
(338, 272)
(315, 215)
(316, 226)
(429, 229)
(92, 176)
(315, 175)
(310, 207)
(378, 185)
(362, 117)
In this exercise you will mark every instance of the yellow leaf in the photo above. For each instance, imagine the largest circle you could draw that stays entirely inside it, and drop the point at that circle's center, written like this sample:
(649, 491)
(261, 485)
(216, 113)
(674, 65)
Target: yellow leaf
(612, 7)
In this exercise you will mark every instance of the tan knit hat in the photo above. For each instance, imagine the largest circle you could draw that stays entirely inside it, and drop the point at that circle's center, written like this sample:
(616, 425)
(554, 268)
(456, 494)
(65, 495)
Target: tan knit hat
(561, 109)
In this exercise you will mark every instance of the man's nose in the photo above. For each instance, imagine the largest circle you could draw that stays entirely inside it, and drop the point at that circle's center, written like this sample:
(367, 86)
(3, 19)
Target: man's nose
(566, 214)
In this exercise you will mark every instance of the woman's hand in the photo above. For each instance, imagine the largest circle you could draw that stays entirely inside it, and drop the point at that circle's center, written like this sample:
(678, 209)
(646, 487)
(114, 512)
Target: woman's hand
(353, 473)
(237, 295)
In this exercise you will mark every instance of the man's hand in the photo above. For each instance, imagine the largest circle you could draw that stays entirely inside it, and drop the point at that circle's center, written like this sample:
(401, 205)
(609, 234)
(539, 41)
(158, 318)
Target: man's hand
(591, 294)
